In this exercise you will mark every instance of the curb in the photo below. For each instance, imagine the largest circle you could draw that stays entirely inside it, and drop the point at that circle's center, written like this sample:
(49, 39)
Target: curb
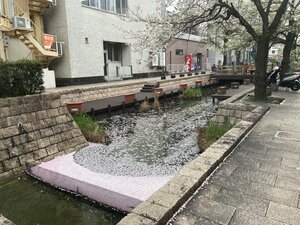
(163, 204)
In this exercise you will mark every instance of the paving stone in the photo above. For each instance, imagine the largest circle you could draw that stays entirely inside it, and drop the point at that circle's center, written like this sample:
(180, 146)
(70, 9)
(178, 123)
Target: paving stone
(281, 171)
(209, 190)
(291, 163)
(273, 193)
(152, 211)
(204, 221)
(283, 213)
(133, 219)
(246, 218)
(276, 161)
(288, 183)
(165, 199)
(61, 119)
(282, 154)
(243, 201)
(46, 132)
(183, 219)
(241, 161)
(180, 185)
(231, 182)
(193, 173)
(259, 176)
(215, 211)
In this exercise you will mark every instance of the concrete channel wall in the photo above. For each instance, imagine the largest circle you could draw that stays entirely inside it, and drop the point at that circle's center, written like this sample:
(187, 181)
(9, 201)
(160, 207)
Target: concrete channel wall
(161, 206)
(112, 90)
(34, 129)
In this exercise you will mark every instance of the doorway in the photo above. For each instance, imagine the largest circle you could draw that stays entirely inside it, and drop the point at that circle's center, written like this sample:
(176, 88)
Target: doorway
(105, 56)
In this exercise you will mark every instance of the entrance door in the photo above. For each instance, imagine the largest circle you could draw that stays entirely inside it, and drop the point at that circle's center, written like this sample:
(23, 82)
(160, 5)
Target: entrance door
(199, 60)
(105, 62)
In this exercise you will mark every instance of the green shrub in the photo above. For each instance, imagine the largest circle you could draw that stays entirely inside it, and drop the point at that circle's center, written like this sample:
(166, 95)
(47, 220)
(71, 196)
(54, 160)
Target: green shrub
(214, 131)
(192, 93)
(19, 78)
(92, 130)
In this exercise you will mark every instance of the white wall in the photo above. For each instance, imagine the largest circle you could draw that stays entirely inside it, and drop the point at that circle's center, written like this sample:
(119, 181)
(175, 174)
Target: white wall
(55, 22)
(49, 78)
(86, 60)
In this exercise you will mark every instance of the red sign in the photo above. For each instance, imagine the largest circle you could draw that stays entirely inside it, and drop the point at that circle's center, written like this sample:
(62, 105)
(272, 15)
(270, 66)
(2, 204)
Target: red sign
(48, 41)
(189, 62)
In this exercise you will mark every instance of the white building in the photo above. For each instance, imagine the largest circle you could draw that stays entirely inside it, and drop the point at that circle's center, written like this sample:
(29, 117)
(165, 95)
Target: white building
(95, 49)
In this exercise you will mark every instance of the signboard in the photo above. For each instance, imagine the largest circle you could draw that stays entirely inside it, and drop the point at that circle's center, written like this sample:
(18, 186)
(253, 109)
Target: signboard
(189, 62)
(48, 41)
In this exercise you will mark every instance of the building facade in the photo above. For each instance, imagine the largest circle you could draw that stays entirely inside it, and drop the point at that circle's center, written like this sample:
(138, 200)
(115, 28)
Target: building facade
(23, 37)
(95, 47)
(186, 46)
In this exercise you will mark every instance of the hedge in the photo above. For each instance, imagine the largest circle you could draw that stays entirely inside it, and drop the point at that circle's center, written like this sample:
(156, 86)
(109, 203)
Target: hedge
(19, 78)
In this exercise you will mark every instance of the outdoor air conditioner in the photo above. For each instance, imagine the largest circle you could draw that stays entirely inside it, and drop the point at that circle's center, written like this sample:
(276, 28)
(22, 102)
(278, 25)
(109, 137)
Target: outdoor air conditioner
(21, 23)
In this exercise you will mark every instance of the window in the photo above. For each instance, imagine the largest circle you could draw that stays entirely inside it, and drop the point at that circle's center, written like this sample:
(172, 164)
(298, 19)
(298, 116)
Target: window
(179, 52)
(273, 51)
(117, 6)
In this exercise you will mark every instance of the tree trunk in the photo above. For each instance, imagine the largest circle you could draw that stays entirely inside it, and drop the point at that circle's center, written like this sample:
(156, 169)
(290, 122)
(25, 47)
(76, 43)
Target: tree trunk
(286, 58)
(261, 63)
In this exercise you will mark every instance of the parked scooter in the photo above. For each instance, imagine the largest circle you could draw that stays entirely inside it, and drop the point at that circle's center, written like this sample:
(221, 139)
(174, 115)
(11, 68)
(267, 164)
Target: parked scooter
(292, 81)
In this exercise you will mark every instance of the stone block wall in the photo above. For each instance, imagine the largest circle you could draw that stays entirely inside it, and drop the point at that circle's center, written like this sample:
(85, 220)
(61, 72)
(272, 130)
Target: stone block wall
(233, 112)
(96, 93)
(34, 129)
(111, 90)
(174, 83)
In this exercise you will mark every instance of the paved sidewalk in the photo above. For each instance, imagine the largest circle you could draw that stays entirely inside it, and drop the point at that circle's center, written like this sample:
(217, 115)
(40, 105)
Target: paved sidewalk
(259, 184)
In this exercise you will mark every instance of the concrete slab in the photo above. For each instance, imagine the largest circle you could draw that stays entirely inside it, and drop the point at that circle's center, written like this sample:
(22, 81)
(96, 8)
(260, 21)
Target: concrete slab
(121, 192)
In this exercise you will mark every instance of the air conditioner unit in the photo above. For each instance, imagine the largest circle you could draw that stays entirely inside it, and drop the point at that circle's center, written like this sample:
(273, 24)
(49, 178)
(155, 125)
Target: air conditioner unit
(21, 23)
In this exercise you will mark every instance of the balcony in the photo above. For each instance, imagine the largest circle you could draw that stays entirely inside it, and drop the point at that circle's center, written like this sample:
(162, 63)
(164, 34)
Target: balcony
(39, 6)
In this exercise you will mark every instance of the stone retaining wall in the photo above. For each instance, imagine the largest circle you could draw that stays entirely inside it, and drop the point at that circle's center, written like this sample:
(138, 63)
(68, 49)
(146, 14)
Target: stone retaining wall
(232, 112)
(174, 83)
(34, 129)
(111, 90)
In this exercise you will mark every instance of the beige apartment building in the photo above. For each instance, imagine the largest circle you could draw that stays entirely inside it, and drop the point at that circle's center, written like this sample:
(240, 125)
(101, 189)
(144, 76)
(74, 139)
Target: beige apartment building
(23, 37)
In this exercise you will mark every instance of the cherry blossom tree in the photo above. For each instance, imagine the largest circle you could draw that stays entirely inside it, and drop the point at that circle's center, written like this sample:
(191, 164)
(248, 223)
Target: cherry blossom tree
(261, 20)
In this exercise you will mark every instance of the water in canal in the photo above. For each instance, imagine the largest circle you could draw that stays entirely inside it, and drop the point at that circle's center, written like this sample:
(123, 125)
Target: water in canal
(26, 201)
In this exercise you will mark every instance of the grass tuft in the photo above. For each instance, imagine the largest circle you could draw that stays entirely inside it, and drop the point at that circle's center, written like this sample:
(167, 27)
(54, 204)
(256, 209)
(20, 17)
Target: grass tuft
(192, 93)
(92, 130)
(214, 131)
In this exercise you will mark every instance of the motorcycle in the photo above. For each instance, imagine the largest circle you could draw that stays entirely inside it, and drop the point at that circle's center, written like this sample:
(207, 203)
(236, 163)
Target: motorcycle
(291, 81)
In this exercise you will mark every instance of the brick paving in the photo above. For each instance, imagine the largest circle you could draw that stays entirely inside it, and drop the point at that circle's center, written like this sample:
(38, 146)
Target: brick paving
(259, 184)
